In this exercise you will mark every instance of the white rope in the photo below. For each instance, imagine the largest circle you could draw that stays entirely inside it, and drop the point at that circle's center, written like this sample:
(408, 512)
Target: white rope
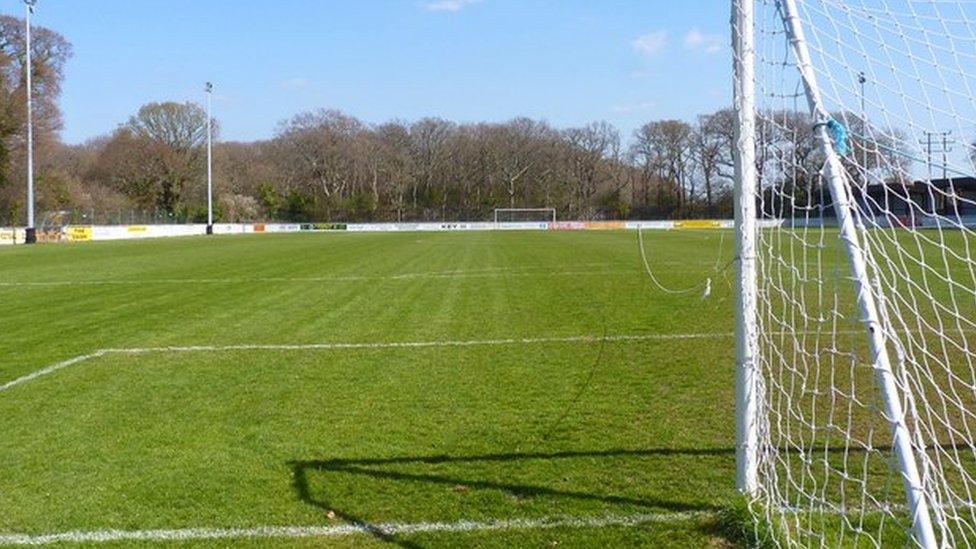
(704, 287)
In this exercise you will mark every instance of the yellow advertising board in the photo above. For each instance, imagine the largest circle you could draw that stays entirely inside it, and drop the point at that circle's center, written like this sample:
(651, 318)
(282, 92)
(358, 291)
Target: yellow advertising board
(79, 234)
(698, 224)
(605, 225)
(136, 229)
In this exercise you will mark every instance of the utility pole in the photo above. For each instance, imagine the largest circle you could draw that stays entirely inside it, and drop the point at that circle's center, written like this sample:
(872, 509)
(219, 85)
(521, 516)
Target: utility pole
(862, 80)
(946, 149)
(30, 236)
(945, 142)
(209, 90)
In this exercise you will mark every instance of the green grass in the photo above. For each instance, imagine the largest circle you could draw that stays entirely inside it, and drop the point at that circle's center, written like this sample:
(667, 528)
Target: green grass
(436, 434)
(576, 422)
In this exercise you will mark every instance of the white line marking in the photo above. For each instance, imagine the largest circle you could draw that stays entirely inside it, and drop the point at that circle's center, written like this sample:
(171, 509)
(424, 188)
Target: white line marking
(49, 370)
(389, 345)
(411, 344)
(348, 346)
(384, 529)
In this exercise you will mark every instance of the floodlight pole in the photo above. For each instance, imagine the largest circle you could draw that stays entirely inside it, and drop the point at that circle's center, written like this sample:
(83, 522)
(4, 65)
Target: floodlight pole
(30, 236)
(209, 89)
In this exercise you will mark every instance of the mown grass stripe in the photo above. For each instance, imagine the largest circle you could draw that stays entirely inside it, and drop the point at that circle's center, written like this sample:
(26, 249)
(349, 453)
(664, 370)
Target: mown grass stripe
(307, 279)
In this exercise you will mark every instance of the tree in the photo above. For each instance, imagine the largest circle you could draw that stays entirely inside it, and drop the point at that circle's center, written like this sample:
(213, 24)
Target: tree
(156, 155)
(663, 147)
(713, 143)
(49, 51)
(431, 150)
(316, 153)
(327, 166)
(396, 164)
(589, 146)
(516, 146)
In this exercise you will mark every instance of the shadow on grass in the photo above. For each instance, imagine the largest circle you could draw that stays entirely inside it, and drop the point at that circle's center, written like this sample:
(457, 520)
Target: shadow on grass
(372, 468)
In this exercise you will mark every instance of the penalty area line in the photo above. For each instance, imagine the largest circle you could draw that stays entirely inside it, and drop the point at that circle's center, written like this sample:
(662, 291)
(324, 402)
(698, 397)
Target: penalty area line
(384, 529)
(411, 344)
(50, 370)
(353, 346)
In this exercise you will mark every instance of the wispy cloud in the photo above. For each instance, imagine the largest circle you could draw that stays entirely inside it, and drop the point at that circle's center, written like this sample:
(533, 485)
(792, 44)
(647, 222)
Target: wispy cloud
(450, 5)
(295, 83)
(709, 43)
(651, 44)
(638, 107)
(642, 74)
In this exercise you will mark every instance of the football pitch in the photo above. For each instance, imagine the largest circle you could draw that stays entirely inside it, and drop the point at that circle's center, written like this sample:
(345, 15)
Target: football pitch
(420, 389)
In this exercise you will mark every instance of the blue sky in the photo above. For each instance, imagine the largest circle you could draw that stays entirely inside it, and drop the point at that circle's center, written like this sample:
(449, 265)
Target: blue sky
(565, 61)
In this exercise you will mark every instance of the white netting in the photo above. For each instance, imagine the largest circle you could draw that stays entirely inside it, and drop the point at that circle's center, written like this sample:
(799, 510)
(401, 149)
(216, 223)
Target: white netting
(898, 79)
(525, 215)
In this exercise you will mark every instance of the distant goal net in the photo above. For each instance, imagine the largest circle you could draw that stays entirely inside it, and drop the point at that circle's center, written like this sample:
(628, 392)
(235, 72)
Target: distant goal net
(525, 215)
(856, 207)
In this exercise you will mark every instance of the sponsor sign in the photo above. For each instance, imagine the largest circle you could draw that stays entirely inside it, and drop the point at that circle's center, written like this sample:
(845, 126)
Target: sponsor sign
(568, 226)
(605, 225)
(323, 227)
(650, 225)
(7, 236)
(79, 234)
(282, 228)
(49, 236)
(228, 228)
(86, 233)
(698, 224)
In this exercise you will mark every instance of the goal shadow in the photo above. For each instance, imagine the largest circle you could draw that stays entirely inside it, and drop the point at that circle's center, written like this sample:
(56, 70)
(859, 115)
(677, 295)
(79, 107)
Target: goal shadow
(384, 469)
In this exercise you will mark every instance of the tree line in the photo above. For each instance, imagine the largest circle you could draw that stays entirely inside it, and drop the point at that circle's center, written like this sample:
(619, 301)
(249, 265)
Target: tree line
(326, 166)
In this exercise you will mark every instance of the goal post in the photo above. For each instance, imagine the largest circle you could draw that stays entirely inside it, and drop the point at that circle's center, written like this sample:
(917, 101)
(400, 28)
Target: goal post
(747, 429)
(524, 215)
(855, 202)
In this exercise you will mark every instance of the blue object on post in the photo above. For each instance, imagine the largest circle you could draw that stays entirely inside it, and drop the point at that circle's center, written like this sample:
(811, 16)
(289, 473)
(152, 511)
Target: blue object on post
(838, 134)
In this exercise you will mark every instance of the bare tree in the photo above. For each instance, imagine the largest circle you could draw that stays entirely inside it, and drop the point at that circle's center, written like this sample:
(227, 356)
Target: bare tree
(712, 152)
(664, 148)
(588, 148)
(317, 151)
(50, 52)
(431, 151)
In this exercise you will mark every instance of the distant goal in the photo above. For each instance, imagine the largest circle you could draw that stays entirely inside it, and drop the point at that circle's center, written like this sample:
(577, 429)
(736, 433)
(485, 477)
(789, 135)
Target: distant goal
(525, 215)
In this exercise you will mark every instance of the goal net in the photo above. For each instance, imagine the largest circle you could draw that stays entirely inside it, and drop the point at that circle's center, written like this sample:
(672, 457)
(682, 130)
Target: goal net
(525, 215)
(857, 330)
